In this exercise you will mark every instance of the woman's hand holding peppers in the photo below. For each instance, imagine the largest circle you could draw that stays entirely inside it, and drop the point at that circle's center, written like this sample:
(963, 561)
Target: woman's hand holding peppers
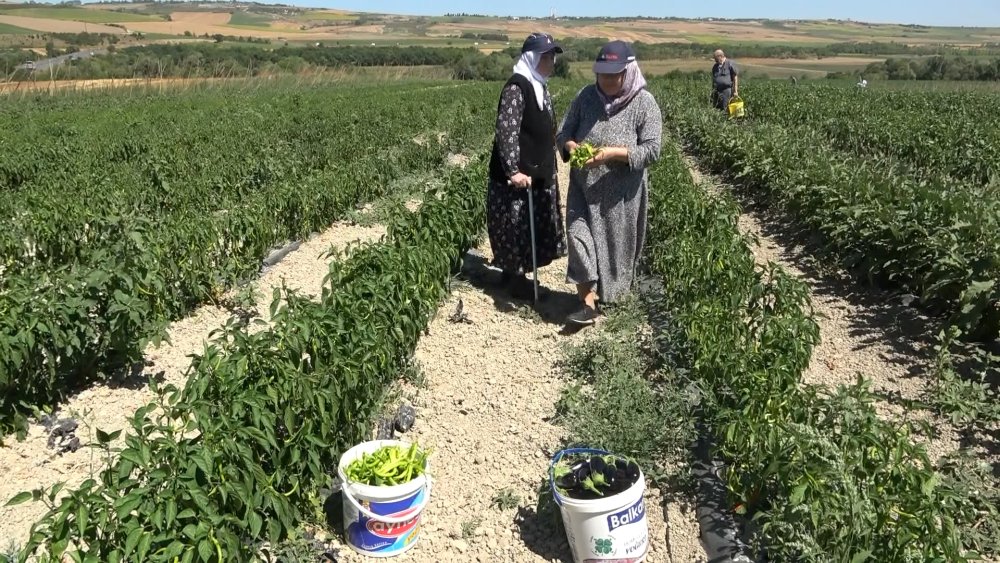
(607, 155)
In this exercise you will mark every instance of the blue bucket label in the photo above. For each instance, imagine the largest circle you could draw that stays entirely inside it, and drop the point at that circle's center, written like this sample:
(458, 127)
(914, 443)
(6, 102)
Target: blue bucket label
(630, 515)
(385, 537)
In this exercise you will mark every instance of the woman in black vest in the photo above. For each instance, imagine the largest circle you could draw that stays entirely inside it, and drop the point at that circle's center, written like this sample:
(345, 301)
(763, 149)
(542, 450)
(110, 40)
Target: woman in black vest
(524, 158)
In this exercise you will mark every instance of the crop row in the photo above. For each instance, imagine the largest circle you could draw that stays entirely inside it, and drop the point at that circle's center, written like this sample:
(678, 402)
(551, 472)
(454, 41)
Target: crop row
(935, 237)
(953, 133)
(78, 168)
(105, 270)
(236, 458)
(820, 475)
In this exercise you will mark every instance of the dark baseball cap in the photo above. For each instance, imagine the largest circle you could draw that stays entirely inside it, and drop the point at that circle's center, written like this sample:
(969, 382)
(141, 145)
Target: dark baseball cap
(613, 58)
(540, 43)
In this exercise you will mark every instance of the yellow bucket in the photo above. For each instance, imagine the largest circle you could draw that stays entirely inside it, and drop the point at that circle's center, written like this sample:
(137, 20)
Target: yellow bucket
(736, 107)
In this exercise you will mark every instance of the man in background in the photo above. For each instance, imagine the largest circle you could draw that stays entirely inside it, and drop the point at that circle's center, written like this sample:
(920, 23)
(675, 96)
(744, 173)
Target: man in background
(725, 81)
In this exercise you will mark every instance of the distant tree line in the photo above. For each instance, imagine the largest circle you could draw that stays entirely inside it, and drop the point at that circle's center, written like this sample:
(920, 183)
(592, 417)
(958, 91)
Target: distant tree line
(211, 60)
(935, 68)
(586, 49)
(85, 39)
(214, 60)
(495, 66)
(219, 38)
(485, 36)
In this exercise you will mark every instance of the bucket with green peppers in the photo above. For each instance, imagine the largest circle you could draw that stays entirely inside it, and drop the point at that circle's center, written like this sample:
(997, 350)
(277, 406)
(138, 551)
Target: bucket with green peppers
(385, 489)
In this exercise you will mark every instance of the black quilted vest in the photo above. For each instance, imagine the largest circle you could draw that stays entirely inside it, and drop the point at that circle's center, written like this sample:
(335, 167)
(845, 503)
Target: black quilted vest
(537, 138)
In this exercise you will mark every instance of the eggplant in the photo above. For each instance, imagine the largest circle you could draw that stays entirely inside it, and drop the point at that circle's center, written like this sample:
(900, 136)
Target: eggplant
(596, 476)
(567, 481)
(597, 464)
(633, 471)
(589, 485)
(609, 474)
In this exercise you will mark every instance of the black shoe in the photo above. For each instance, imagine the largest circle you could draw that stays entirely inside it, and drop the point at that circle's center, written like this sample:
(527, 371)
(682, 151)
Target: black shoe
(561, 249)
(585, 316)
(522, 288)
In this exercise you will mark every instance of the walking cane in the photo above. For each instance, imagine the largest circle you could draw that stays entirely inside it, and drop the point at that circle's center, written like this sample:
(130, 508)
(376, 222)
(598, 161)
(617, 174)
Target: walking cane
(531, 224)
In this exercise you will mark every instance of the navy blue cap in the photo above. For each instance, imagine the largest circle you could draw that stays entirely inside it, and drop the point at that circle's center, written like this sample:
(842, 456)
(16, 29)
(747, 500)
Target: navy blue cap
(613, 58)
(540, 43)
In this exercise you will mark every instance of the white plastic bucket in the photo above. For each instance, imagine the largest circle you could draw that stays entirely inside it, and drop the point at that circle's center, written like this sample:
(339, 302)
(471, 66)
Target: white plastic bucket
(607, 529)
(381, 521)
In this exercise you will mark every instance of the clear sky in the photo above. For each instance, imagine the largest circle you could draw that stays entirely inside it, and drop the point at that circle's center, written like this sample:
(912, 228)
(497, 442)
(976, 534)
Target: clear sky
(925, 12)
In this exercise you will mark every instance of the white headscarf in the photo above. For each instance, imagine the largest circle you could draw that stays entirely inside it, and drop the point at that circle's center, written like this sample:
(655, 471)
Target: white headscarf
(527, 67)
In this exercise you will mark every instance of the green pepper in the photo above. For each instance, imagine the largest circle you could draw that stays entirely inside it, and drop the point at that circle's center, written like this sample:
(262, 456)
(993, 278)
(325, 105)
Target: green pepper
(582, 154)
(389, 465)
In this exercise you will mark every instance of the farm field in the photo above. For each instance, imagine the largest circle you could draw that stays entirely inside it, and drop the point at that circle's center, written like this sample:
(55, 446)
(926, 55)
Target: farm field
(779, 216)
(907, 195)
(807, 260)
(293, 23)
(304, 182)
(72, 14)
(128, 38)
(380, 75)
(156, 218)
(772, 68)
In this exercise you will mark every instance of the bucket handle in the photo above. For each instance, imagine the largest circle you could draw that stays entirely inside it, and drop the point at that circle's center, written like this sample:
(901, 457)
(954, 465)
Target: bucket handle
(346, 490)
(558, 455)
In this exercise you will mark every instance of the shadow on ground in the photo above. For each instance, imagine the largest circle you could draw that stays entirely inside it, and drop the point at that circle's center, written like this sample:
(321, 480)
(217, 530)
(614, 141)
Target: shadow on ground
(553, 305)
(541, 527)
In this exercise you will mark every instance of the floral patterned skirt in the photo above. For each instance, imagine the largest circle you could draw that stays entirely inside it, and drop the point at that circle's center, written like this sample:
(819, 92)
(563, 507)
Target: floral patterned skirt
(509, 230)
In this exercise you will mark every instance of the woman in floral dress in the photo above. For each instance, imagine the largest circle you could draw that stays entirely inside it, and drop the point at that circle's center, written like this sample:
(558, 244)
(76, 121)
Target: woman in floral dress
(524, 157)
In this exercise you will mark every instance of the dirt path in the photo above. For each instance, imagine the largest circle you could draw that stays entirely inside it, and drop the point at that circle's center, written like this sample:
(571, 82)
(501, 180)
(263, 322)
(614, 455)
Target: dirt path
(31, 464)
(490, 387)
(862, 330)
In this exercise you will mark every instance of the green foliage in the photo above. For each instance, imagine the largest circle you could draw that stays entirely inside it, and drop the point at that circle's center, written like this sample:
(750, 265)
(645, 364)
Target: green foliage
(476, 66)
(506, 499)
(936, 68)
(469, 528)
(230, 461)
(970, 401)
(220, 59)
(932, 133)
(485, 36)
(821, 474)
(586, 49)
(628, 394)
(86, 39)
(107, 241)
(906, 205)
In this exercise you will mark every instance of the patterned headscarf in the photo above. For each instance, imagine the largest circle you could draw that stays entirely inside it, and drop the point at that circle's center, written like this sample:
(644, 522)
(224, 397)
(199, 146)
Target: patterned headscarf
(635, 82)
